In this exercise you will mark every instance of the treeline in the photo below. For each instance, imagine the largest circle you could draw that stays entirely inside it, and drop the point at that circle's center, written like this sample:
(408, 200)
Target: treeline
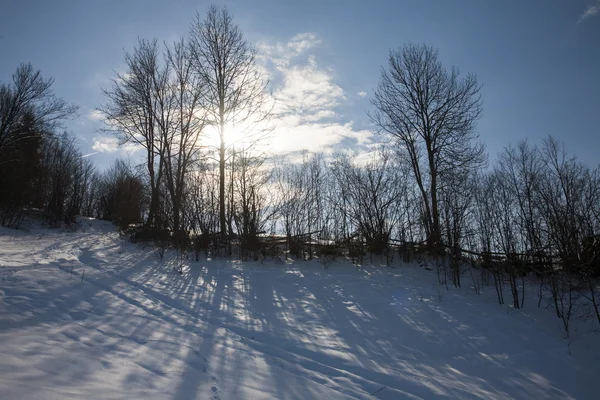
(39, 168)
(430, 192)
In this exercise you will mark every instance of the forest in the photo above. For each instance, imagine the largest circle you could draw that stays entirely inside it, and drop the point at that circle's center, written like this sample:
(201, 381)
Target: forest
(429, 191)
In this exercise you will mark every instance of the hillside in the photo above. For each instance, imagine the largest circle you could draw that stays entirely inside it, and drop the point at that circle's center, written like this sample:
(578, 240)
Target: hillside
(85, 315)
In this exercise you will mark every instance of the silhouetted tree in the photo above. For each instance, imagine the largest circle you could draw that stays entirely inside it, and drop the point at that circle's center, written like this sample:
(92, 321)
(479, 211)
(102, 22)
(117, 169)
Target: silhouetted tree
(29, 112)
(373, 197)
(30, 98)
(121, 195)
(235, 91)
(189, 119)
(140, 110)
(432, 114)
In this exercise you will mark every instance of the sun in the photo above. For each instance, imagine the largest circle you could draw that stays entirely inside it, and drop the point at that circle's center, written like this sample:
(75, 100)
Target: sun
(211, 137)
(237, 136)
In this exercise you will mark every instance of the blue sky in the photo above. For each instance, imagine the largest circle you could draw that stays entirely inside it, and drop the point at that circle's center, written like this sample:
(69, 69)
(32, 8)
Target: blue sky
(538, 61)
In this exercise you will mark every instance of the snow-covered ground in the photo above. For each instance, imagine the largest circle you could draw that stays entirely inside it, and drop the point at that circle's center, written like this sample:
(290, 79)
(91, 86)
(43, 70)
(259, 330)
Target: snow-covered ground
(83, 316)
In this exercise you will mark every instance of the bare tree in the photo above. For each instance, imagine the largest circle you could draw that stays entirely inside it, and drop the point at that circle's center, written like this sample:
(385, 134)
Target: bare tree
(291, 183)
(457, 198)
(519, 172)
(565, 209)
(235, 90)
(432, 113)
(373, 195)
(182, 141)
(61, 187)
(19, 176)
(29, 97)
(251, 211)
(138, 111)
(301, 201)
(29, 115)
(493, 216)
(121, 194)
(203, 205)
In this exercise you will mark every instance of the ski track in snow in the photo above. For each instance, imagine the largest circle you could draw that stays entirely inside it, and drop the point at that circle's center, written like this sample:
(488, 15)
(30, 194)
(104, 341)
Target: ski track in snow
(82, 316)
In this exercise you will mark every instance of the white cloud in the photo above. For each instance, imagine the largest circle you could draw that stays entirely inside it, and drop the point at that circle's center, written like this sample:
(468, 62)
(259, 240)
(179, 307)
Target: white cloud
(307, 89)
(110, 144)
(362, 94)
(300, 85)
(281, 54)
(592, 10)
(306, 99)
(95, 115)
(303, 42)
(292, 135)
(105, 144)
(321, 115)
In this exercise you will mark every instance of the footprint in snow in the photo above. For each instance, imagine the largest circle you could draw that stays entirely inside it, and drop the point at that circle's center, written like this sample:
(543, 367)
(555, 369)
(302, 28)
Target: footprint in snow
(215, 391)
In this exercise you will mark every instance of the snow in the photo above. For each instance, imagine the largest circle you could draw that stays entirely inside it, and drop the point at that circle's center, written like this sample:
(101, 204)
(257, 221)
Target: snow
(85, 315)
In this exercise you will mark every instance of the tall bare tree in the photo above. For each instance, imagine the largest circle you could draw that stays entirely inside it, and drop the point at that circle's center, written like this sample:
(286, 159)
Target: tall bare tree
(432, 113)
(182, 142)
(29, 115)
(235, 90)
(138, 110)
(30, 98)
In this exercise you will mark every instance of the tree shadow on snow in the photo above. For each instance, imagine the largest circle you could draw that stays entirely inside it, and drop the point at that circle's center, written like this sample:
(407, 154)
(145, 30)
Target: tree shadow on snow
(224, 327)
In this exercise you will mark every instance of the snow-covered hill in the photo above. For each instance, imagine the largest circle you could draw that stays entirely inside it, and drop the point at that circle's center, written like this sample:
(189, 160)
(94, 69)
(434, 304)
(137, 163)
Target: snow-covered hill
(84, 316)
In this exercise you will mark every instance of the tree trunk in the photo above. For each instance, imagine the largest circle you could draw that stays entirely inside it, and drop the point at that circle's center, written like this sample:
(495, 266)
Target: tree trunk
(222, 219)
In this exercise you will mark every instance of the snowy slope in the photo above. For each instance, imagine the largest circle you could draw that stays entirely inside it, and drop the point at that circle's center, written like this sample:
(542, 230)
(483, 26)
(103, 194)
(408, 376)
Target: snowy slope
(132, 328)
